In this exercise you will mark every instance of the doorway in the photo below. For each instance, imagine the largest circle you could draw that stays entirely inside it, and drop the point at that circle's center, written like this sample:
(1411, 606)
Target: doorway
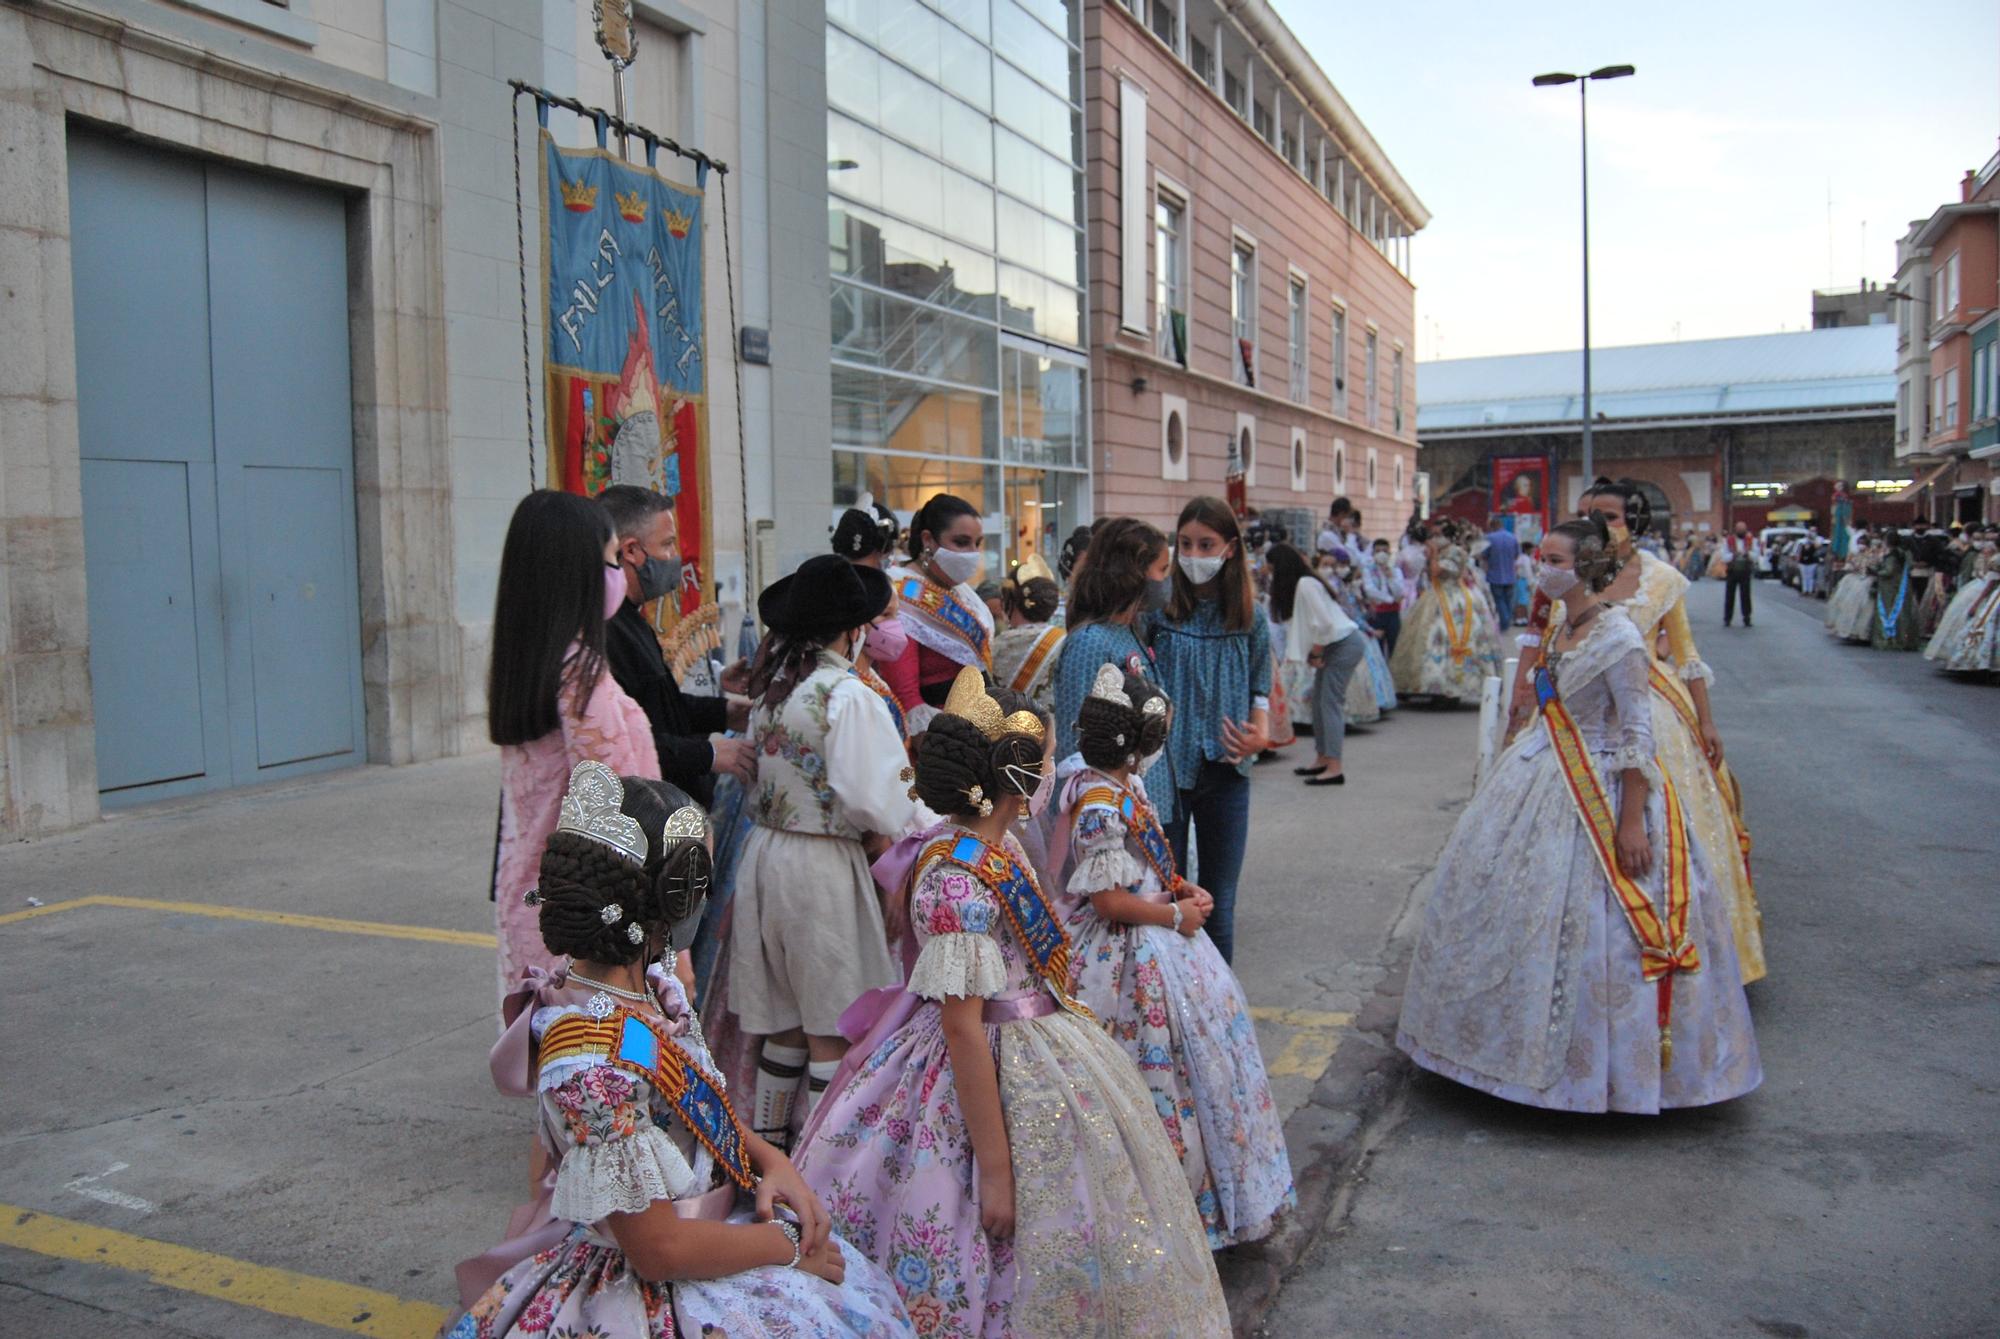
(215, 419)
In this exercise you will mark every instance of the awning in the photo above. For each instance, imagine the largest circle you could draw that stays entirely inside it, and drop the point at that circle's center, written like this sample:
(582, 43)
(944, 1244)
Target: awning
(1910, 494)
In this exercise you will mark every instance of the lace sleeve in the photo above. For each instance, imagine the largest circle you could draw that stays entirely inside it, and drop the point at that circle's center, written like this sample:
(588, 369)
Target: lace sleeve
(1680, 645)
(956, 918)
(617, 1160)
(607, 727)
(962, 965)
(1631, 698)
(1102, 862)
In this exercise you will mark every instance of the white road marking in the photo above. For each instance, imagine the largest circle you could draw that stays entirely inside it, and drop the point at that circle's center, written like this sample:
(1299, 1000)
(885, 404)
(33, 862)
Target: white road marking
(87, 1187)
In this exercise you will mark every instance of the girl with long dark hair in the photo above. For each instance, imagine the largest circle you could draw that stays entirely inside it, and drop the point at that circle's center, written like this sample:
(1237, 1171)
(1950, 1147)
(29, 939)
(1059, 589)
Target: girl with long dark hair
(1320, 633)
(949, 625)
(1212, 648)
(1124, 579)
(550, 700)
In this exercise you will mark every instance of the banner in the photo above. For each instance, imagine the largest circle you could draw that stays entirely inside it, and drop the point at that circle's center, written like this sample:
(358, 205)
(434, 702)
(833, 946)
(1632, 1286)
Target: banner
(625, 368)
(1521, 494)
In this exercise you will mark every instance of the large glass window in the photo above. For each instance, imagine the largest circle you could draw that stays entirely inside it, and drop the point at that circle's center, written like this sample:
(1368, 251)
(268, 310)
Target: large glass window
(955, 244)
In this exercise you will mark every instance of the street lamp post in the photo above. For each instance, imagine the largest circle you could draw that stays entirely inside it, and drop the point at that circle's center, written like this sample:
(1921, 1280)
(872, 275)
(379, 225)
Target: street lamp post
(1582, 82)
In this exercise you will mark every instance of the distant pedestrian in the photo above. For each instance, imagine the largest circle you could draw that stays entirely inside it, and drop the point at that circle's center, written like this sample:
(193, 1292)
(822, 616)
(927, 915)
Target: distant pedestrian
(1741, 554)
(1808, 556)
(1319, 633)
(1382, 585)
(1502, 553)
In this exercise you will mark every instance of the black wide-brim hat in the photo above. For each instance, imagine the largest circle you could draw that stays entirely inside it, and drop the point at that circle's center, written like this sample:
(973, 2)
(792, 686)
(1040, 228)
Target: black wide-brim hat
(826, 596)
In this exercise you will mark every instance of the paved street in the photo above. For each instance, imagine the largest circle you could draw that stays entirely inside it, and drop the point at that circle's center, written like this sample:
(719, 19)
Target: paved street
(1855, 1193)
(246, 1063)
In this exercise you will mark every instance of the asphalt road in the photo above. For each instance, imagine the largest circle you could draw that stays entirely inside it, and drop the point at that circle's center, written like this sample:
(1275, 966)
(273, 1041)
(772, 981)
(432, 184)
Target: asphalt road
(1857, 1192)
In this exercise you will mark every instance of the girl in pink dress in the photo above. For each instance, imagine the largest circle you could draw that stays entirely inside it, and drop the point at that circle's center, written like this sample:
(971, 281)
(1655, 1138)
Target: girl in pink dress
(987, 1144)
(550, 699)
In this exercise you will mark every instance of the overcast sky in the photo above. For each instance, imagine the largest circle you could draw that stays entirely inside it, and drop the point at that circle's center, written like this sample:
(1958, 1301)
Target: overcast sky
(1710, 169)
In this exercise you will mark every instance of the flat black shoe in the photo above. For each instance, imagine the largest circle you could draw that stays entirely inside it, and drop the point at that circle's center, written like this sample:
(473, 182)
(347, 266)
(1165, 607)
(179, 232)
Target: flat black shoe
(1305, 771)
(1340, 780)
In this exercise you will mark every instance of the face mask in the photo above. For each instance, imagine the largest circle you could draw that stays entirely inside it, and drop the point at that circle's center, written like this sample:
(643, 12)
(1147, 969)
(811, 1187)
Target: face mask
(860, 642)
(1382, 558)
(657, 576)
(614, 589)
(1145, 764)
(1157, 594)
(1044, 779)
(1621, 536)
(1200, 571)
(963, 566)
(889, 639)
(1554, 582)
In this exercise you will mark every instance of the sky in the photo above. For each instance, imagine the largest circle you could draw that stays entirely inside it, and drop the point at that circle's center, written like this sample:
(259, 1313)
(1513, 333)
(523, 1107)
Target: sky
(1711, 169)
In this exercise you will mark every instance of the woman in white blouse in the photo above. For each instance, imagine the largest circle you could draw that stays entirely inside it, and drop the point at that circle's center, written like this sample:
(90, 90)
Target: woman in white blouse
(1318, 632)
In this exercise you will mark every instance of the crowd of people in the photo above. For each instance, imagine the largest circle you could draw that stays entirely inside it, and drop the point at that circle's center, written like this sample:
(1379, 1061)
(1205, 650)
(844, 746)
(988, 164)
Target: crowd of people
(891, 991)
(1921, 588)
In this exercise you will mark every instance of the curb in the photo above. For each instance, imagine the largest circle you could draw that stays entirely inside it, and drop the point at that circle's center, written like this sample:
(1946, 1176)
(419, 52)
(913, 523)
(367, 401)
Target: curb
(1360, 1081)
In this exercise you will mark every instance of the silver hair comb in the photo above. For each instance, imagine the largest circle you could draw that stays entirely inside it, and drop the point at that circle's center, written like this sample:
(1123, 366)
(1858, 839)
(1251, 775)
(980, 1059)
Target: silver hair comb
(1109, 686)
(592, 809)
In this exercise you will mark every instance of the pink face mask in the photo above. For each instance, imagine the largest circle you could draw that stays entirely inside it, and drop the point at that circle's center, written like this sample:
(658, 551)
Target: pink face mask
(887, 640)
(614, 590)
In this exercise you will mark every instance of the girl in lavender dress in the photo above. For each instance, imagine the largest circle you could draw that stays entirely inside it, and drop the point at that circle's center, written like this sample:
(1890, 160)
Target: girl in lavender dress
(987, 1144)
(1140, 962)
(661, 1215)
(1575, 952)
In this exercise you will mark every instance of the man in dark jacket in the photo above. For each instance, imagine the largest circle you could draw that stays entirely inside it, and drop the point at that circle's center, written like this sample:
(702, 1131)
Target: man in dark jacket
(649, 551)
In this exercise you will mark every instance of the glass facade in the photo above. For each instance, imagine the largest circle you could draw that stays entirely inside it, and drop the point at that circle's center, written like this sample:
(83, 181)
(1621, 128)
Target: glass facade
(955, 233)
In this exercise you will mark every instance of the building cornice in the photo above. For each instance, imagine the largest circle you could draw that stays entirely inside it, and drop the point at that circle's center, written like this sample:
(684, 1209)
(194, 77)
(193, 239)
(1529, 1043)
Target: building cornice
(1274, 400)
(1571, 428)
(1933, 226)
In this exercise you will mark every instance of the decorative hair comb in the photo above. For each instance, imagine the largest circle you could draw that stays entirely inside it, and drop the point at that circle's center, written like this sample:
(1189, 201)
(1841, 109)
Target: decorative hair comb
(969, 701)
(591, 809)
(687, 823)
(1109, 685)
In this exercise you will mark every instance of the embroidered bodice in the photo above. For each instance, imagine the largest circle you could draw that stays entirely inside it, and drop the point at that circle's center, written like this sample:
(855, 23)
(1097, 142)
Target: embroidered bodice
(1604, 682)
(1103, 847)
(966, 946)
(828, 758)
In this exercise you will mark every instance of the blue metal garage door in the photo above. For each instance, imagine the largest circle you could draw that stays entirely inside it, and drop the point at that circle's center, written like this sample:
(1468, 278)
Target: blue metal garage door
(214, 409)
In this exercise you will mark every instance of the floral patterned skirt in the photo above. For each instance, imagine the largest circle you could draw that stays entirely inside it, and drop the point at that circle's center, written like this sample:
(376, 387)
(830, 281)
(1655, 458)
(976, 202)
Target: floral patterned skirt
(1106, 1240)
(584, 1288)
(1425, 664)
(1179, 1012)
(1967, 640)
(1851, 610)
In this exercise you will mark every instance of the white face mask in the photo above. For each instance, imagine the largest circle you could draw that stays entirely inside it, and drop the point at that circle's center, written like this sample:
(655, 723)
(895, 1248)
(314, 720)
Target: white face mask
(1200, 571)
(1038, 798)
(963, 566)
(1145, 764)
(1554, 582)
(860, 640)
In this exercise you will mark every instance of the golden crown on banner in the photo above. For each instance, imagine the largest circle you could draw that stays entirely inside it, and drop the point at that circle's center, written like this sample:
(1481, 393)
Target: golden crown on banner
(679, 223)
(577, 196)
(631, 206)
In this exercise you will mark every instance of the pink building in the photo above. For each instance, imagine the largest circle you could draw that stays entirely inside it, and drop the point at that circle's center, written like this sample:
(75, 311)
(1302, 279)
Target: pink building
(1250, 293)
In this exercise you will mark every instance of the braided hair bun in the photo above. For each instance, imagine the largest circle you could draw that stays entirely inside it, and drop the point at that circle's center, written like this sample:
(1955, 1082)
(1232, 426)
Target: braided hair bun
(582, 881)
(953, 757)
(1111, 735)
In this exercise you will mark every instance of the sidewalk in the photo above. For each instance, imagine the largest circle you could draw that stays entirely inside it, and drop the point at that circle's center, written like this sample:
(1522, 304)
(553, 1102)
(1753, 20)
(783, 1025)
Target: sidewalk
(279, 1080)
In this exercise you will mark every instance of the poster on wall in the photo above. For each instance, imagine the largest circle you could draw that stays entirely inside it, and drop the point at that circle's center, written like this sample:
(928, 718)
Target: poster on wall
(625, 368)
(1521, 495)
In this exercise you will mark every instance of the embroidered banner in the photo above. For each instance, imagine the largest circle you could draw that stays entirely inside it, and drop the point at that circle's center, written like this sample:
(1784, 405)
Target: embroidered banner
(625, 369)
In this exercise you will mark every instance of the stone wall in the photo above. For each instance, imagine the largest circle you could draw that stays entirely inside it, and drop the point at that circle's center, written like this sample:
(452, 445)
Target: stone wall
(162, 75)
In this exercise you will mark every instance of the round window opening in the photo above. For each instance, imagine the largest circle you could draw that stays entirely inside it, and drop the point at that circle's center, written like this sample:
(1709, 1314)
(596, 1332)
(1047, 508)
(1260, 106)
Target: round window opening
(1249, 450)
(1176, 443)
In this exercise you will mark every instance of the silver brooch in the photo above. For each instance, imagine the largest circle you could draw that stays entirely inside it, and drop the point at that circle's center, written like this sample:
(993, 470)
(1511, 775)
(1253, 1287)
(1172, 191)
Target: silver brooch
(599, 1006)
(612, 914)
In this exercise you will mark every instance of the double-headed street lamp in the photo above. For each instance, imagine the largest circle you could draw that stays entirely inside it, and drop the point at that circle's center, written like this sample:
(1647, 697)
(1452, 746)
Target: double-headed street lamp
(1582, 82)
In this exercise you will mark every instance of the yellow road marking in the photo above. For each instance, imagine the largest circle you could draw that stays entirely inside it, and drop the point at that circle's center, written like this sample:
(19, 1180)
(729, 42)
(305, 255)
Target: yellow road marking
(1313, 1043)
(338, 1306)
(382, 929)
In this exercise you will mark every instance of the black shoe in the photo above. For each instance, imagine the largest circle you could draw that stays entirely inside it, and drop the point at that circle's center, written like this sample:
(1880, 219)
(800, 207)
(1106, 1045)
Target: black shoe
(1305, 771)
(1748, 624)
(1340, 780)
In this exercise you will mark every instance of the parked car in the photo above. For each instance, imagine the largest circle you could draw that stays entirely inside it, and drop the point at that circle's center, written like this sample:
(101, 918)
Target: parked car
(1773, 537)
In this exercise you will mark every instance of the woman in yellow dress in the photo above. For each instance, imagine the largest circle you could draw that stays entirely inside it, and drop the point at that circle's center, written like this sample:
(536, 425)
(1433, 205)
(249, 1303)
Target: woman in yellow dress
(1689, 745)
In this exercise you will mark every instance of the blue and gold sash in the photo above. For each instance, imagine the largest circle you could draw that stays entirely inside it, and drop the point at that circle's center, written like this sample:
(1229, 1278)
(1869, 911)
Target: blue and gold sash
(1141, 823)
(1020, 898)
(942, 609)
(882, 690)
(627, 1041)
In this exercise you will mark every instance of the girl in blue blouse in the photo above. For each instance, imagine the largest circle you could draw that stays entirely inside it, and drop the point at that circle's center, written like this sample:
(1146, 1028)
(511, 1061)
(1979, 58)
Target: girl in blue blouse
(1212, 655)
(1122, 578)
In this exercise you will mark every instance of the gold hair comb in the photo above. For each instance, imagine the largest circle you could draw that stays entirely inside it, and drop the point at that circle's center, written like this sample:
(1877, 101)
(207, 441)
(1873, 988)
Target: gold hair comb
(969, 701)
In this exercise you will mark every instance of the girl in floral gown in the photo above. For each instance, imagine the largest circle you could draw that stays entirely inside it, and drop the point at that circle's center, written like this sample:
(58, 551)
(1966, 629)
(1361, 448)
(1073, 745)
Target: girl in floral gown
(1574, 954)
(662, 1215)
(1967, 640)
(986, 1143)
(1140, 962)
(1850, 613)
(1447, 646)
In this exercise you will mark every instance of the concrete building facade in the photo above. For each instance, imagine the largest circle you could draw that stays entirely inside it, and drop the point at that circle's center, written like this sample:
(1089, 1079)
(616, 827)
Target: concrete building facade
(1251, 305)
(149, 525)
(1948, 425)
